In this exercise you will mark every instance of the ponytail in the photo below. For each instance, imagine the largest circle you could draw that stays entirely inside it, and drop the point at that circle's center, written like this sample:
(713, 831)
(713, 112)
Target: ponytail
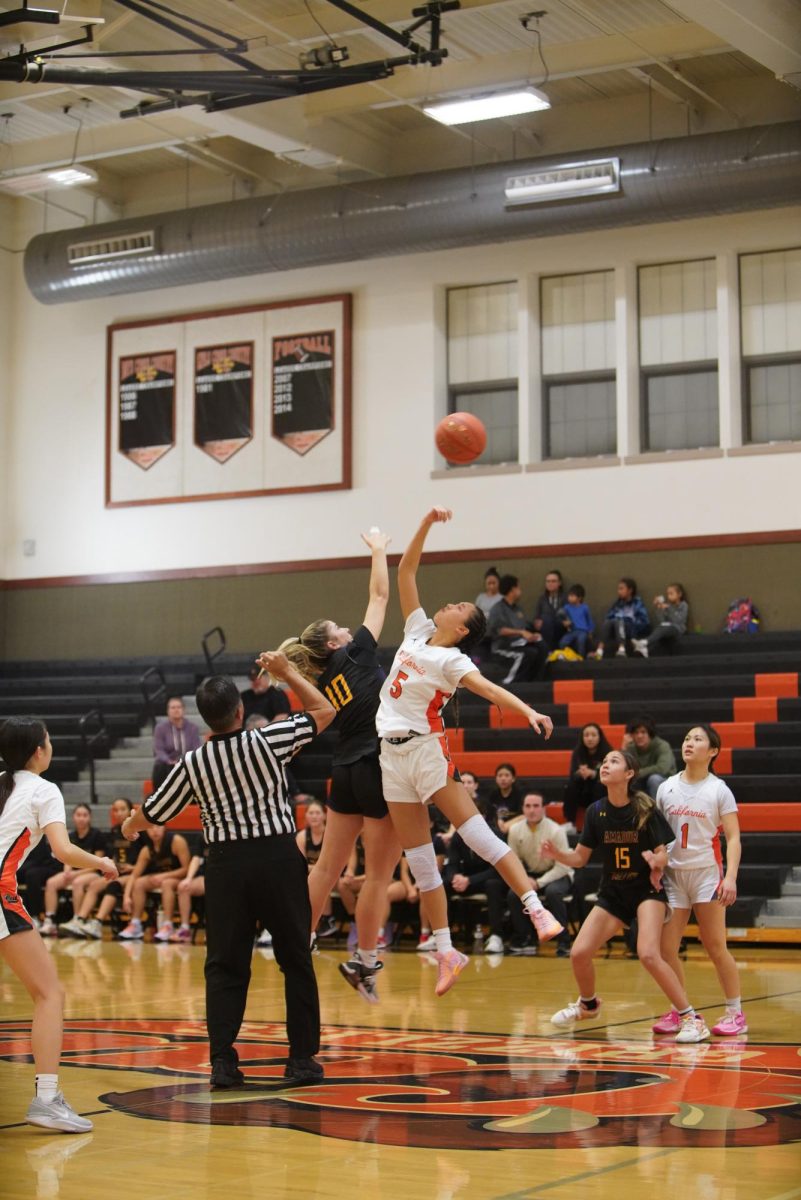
(640, 801)
(20, 737)
(310, 652)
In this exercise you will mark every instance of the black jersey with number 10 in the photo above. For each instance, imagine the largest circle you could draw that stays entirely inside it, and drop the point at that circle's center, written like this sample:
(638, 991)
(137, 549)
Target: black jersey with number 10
(352, 682)
(622, 843)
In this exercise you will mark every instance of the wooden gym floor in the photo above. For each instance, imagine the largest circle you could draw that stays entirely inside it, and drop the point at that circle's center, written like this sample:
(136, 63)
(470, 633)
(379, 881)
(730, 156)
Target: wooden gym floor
(473, 1096)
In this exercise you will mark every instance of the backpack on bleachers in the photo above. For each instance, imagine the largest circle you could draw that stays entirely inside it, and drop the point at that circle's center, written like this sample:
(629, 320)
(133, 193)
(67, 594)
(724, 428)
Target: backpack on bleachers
(742, 616)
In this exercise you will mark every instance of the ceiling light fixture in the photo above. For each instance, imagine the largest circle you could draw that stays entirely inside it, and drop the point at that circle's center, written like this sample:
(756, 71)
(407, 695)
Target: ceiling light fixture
(566, 182)
(69, 176)
(487, 107)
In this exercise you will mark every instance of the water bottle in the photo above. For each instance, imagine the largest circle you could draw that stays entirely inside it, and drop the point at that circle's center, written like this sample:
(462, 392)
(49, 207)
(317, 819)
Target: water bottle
(478, 939)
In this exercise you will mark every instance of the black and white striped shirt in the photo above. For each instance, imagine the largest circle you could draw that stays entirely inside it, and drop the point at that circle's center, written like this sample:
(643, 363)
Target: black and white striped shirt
(238, 780)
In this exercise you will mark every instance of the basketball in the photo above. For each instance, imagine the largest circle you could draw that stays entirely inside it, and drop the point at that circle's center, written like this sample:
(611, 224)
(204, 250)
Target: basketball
(460, 437)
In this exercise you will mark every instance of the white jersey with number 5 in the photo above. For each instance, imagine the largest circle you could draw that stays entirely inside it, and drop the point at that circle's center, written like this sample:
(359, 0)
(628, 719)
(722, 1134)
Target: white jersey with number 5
(695, 812)
(422, 680)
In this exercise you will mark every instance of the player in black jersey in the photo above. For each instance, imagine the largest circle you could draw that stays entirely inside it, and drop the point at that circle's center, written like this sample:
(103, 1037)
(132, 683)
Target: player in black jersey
(633, 837)
(345, 668)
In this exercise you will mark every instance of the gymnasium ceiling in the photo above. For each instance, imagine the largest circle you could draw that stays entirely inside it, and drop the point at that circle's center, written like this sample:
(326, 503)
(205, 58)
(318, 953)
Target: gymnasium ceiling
(615, 71)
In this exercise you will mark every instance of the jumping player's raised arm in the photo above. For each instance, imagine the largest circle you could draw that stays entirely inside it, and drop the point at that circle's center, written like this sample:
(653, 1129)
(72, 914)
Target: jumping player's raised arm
(378, 596)
(407, 568)
(474, 681)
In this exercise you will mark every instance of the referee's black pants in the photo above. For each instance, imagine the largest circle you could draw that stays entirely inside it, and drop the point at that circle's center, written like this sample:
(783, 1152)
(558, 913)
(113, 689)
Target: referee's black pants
(266, 880)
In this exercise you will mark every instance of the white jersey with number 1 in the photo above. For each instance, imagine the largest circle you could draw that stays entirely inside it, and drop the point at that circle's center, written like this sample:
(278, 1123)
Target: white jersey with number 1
(421, 682)
(695, 812)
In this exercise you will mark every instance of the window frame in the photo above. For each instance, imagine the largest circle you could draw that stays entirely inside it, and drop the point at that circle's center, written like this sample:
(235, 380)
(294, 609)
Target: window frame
(569, 379)
(790, 358)
(698, 367)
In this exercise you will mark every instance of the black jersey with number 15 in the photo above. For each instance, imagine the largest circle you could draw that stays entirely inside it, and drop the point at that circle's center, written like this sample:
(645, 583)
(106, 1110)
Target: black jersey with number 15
(352, 681)
(621, 842)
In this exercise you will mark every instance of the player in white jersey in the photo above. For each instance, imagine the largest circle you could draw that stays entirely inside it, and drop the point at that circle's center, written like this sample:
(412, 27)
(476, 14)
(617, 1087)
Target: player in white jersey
(697, 806)
(29, 807)
(415, 765)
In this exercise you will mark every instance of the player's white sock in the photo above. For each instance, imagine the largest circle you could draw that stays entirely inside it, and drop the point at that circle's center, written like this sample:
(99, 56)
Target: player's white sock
(368, 958)
(443, 939)
(530, 901)
(46, 1087)
(734, 1005)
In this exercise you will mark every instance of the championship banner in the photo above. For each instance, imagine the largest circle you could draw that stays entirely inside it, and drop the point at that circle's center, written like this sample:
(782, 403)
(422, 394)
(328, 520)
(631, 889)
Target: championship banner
(303, 372)
(146, 406)
(255, 400)
(223, 399)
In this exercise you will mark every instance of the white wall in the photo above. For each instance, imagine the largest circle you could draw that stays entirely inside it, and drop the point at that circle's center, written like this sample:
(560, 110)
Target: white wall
(54, 456)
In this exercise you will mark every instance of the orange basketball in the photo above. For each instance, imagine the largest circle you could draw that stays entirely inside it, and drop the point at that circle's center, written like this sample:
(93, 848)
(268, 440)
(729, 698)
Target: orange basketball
(460, 437)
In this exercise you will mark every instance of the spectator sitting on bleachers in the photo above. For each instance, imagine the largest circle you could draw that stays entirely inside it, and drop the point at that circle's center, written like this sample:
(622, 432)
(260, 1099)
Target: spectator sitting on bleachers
(466, 874)
(626, 620)
(310, 843)
(654, 755)
(172, 888)
(549, 878)
(87, 838)
(487, 599)
(673, 611)
(546, 610)
(584, 785)
(505, 802)
(515, 641)
(171, 740)
(164, 855)
(264, 698)
(89, 887)
(577, 622)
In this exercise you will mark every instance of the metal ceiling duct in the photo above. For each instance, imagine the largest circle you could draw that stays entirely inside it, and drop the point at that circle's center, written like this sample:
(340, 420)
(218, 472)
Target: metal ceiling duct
(703, 175)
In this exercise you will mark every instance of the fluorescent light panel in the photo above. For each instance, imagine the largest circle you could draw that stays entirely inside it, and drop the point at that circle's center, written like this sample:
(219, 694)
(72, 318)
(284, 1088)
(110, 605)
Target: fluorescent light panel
(69, 176)
(565, 182)
(485, 108)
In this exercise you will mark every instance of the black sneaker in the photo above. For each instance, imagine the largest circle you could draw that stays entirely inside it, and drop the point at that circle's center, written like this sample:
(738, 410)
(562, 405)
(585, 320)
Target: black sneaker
(361, 978)
(302, 1072)
(526, 948)
(563, 950)
(225, 1074)
(327, 927)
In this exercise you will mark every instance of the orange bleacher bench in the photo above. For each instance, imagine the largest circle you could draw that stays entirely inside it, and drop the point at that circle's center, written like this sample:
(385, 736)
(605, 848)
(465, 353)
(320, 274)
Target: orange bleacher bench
(738, 735)
(756, 708)
(552, 763)
(784, 685)
(770, 818)
(568, 691)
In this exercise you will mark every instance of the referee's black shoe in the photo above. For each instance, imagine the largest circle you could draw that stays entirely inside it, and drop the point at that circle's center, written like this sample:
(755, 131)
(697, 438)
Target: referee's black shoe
(225, 1074)
(303, 1072)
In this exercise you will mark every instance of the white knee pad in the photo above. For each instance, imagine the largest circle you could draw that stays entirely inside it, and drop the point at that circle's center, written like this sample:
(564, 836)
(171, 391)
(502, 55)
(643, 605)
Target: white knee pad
(477, 834)
(423, 865)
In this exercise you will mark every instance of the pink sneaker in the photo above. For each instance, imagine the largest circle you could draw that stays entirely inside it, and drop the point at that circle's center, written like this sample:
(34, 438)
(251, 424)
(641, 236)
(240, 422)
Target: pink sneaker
(731, 1025)
(450, 964)
(545, 923)
(165, 933)
(183, 935)
(669, 1023)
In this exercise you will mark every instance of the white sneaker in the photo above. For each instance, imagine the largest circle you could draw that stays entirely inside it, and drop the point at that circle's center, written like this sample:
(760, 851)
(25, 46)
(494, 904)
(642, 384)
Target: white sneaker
(575, 1012)
(93, 929)
(427, 942)
(493, 944)
(49, 928)
(56, 1114)
(132, 932)
(693, 1029)
(74, 928)
(164, 933)
(265, 938)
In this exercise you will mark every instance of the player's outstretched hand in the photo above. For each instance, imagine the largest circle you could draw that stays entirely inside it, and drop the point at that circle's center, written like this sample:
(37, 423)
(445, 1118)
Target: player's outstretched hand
(540, 722)
(376, 540)
(435, 515)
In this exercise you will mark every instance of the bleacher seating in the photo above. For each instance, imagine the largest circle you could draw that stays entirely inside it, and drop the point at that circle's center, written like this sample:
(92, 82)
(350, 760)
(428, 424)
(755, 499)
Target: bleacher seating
(748, 686)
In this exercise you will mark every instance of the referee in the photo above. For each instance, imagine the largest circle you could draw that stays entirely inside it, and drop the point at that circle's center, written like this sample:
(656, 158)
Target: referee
(254, 869)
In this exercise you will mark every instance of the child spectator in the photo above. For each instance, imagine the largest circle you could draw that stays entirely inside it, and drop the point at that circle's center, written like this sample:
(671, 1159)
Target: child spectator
(584, 786)
(673, 611)
(626, 620)
(577, 621)
(546, 611)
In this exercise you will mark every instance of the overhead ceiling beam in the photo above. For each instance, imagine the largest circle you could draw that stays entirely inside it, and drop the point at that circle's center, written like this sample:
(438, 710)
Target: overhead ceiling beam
(566, 60)
(769, 31)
